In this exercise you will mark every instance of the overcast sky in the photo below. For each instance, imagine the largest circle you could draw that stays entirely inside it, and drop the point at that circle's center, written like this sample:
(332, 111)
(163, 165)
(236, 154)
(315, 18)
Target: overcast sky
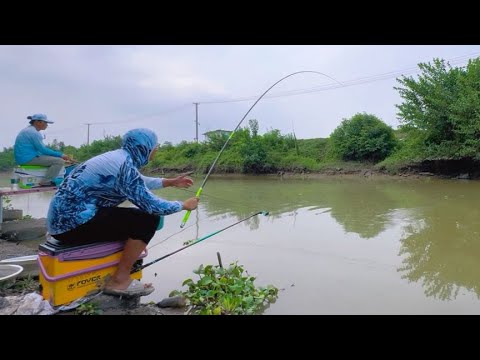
(117, 88)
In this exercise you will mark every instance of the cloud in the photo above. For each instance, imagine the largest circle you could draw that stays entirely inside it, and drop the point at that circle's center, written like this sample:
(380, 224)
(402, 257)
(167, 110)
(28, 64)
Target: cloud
(171, 74)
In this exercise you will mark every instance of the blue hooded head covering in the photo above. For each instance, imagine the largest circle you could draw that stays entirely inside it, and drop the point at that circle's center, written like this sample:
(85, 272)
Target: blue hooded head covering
(139, 143)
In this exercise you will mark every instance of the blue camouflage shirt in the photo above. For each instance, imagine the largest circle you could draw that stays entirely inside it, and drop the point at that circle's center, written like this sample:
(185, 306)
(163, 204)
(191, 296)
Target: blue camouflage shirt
(107, 180)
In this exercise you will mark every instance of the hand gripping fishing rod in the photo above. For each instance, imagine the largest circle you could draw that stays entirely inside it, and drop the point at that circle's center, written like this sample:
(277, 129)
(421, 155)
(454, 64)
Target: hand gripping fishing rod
(200, 189)
(138, 268)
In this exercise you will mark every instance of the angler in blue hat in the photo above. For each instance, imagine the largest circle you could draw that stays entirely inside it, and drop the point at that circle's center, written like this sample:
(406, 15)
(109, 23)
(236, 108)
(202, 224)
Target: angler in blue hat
(30, 150)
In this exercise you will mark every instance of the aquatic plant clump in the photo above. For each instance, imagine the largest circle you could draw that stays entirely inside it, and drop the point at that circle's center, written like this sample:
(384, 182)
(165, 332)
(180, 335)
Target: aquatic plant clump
(225, 291)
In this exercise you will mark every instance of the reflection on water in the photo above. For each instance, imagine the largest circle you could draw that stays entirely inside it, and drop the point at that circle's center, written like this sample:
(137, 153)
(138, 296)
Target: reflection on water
(360, 207)
(335, 245)
(441, 247)
(437, 240)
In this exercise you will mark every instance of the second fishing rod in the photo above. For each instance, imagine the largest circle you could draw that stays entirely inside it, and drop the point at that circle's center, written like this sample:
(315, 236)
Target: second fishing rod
(140, 267)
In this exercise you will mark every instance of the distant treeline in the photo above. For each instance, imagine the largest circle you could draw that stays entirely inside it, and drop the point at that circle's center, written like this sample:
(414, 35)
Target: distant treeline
(439, 115)
(251, 153)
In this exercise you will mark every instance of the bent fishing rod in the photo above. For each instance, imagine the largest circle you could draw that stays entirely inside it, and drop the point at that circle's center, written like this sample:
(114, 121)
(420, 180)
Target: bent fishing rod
(140, 267)
(200, 189)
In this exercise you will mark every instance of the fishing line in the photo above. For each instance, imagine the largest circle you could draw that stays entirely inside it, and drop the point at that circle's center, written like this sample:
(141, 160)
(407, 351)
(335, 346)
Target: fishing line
(170, 236)
(222, 199)
(244, 205)
(178, 232)
(200, 189)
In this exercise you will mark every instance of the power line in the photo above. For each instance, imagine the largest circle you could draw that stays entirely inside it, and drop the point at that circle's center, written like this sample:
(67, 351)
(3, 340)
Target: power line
(144, 117)
(331, 86)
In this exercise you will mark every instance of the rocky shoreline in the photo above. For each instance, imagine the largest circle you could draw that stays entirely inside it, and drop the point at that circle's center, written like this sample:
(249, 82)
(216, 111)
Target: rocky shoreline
(18, 302)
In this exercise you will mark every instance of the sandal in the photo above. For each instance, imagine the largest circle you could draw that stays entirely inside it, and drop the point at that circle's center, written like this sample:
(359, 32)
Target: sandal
(136, 288)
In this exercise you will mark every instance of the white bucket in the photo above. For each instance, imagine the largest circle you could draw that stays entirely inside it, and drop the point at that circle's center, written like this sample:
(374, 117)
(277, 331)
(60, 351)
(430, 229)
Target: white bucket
(9, 272)
(29, 264)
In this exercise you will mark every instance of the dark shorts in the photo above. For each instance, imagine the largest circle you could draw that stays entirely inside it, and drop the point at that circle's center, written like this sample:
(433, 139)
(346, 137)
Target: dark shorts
(113, 224)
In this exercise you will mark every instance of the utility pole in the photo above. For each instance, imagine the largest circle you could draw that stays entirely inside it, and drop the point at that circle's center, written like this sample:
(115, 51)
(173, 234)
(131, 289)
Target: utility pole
(196, 122)
(88, 133)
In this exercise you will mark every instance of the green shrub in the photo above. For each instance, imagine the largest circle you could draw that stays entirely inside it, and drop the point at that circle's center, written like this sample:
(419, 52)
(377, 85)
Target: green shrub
(363, 137)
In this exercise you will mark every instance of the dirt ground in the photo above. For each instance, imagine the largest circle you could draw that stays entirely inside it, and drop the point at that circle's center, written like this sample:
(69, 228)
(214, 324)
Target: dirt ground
(10, 249)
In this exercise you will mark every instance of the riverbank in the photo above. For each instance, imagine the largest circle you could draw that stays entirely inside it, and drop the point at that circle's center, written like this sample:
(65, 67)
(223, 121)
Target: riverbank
(443, 169)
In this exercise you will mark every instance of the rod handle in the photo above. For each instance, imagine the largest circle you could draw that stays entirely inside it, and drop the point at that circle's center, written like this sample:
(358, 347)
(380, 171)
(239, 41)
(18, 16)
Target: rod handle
(187, 214)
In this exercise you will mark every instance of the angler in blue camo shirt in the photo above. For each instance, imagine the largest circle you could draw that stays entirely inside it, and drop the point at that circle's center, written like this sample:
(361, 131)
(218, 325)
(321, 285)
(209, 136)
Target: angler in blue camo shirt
(85, 207)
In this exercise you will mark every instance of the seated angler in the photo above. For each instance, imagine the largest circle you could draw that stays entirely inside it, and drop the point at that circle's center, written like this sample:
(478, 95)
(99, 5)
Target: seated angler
(86, 207)
(30, 150)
